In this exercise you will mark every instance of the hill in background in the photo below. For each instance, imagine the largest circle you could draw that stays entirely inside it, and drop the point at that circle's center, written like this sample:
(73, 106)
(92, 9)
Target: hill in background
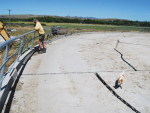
(75, 17)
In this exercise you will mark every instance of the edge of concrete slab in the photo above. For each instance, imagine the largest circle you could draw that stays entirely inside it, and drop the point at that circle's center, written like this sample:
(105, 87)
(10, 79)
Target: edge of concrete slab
(11, 77)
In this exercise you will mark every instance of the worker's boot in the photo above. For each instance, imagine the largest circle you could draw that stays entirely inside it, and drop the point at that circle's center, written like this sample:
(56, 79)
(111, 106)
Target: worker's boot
(44, 50)
(40, 51)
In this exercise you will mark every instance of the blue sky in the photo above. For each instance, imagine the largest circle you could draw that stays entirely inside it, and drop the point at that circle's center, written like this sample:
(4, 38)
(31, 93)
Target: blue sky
(121, 9)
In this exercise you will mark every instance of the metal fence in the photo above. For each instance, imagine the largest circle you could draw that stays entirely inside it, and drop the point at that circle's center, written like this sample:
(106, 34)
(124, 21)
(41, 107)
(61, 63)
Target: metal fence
(27, 41)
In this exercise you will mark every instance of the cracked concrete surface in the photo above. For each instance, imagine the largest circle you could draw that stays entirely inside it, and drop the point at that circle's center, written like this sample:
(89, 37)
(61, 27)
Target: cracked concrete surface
(54, 82)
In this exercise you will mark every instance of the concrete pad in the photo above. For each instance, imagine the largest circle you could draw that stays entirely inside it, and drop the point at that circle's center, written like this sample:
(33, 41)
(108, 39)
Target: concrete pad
(82, 93)
(63, 80)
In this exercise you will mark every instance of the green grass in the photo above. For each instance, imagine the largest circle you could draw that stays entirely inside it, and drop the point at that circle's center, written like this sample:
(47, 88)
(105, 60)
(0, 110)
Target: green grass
(88, 27)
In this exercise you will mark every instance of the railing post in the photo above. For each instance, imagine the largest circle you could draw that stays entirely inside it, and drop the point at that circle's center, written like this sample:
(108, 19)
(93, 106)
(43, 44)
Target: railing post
(131, 29)
(4, 59)
(88, 28)
(50, 34)
(95, 28)
(73, 29)
(66, 30)
(58, 32)
(21, 47)
(32, 40)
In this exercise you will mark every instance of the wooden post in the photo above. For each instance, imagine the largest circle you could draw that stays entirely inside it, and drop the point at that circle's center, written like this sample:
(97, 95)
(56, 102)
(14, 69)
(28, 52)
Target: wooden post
(117, 43)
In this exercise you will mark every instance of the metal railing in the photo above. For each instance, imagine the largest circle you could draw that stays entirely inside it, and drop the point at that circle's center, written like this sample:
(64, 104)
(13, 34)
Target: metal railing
(6, 46)
(29, 40)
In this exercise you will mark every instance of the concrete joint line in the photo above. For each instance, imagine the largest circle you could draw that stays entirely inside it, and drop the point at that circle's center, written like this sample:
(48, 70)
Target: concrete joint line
(134, 44)
(30, 74)
(115, 94)
(125, 60)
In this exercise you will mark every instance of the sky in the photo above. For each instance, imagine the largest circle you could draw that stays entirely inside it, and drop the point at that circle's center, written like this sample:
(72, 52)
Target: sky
(120, 9)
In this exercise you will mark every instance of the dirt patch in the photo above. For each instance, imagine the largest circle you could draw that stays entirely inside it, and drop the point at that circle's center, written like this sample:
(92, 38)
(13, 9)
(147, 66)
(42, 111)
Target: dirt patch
(19, 86)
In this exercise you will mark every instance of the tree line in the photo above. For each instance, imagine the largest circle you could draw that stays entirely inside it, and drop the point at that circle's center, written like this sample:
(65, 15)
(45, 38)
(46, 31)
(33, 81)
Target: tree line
(84, 21)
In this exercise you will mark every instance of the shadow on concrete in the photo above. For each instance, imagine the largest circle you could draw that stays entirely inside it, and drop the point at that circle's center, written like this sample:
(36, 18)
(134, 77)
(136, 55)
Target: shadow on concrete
(116, 85)
(10, 99)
